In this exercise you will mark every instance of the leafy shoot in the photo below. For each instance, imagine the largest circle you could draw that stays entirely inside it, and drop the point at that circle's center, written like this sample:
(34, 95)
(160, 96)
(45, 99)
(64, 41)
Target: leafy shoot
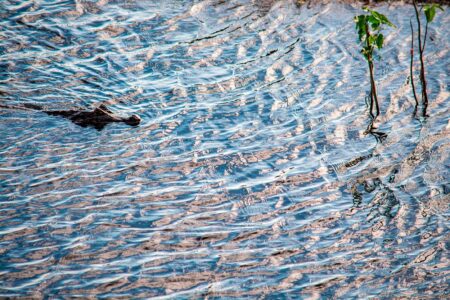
(368, 28)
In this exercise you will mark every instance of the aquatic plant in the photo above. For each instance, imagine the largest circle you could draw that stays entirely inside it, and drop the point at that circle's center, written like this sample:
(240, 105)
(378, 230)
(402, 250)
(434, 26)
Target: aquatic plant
(430, 11)
(369, 28)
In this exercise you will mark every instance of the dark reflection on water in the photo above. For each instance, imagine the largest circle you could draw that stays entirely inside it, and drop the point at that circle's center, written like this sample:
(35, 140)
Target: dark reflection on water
(250, 173)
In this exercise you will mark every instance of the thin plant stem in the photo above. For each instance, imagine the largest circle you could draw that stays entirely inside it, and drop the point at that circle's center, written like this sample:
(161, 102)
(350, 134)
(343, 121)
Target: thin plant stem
(425, 38)
(411, 68)
(422, 65)
(374, 97)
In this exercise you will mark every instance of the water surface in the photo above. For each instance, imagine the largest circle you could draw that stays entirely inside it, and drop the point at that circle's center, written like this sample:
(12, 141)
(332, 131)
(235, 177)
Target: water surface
(250, 175)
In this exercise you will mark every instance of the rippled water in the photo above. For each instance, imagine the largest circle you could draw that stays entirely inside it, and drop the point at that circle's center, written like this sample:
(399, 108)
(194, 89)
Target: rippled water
(250, 174)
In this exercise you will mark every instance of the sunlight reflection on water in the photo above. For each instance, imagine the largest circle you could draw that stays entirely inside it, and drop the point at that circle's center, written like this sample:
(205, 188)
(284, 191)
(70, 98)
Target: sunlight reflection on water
(250, 174)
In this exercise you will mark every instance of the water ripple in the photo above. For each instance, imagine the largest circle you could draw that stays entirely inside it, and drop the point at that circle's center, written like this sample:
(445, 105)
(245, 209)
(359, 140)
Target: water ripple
(250, 174)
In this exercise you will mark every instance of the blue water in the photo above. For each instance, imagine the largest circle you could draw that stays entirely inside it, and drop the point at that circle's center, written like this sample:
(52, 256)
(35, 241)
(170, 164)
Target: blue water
(250, 175)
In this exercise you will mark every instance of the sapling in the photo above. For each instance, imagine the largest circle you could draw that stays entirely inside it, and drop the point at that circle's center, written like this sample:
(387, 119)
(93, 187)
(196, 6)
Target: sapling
(429, 11)
(369, 28)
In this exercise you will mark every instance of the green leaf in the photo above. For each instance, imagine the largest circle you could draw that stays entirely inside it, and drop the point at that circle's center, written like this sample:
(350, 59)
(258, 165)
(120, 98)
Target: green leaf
(360, 21)
(379, 41)
(382, 18)
(374, 22)
(430, 11)
(372, 40)
(360, 26)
